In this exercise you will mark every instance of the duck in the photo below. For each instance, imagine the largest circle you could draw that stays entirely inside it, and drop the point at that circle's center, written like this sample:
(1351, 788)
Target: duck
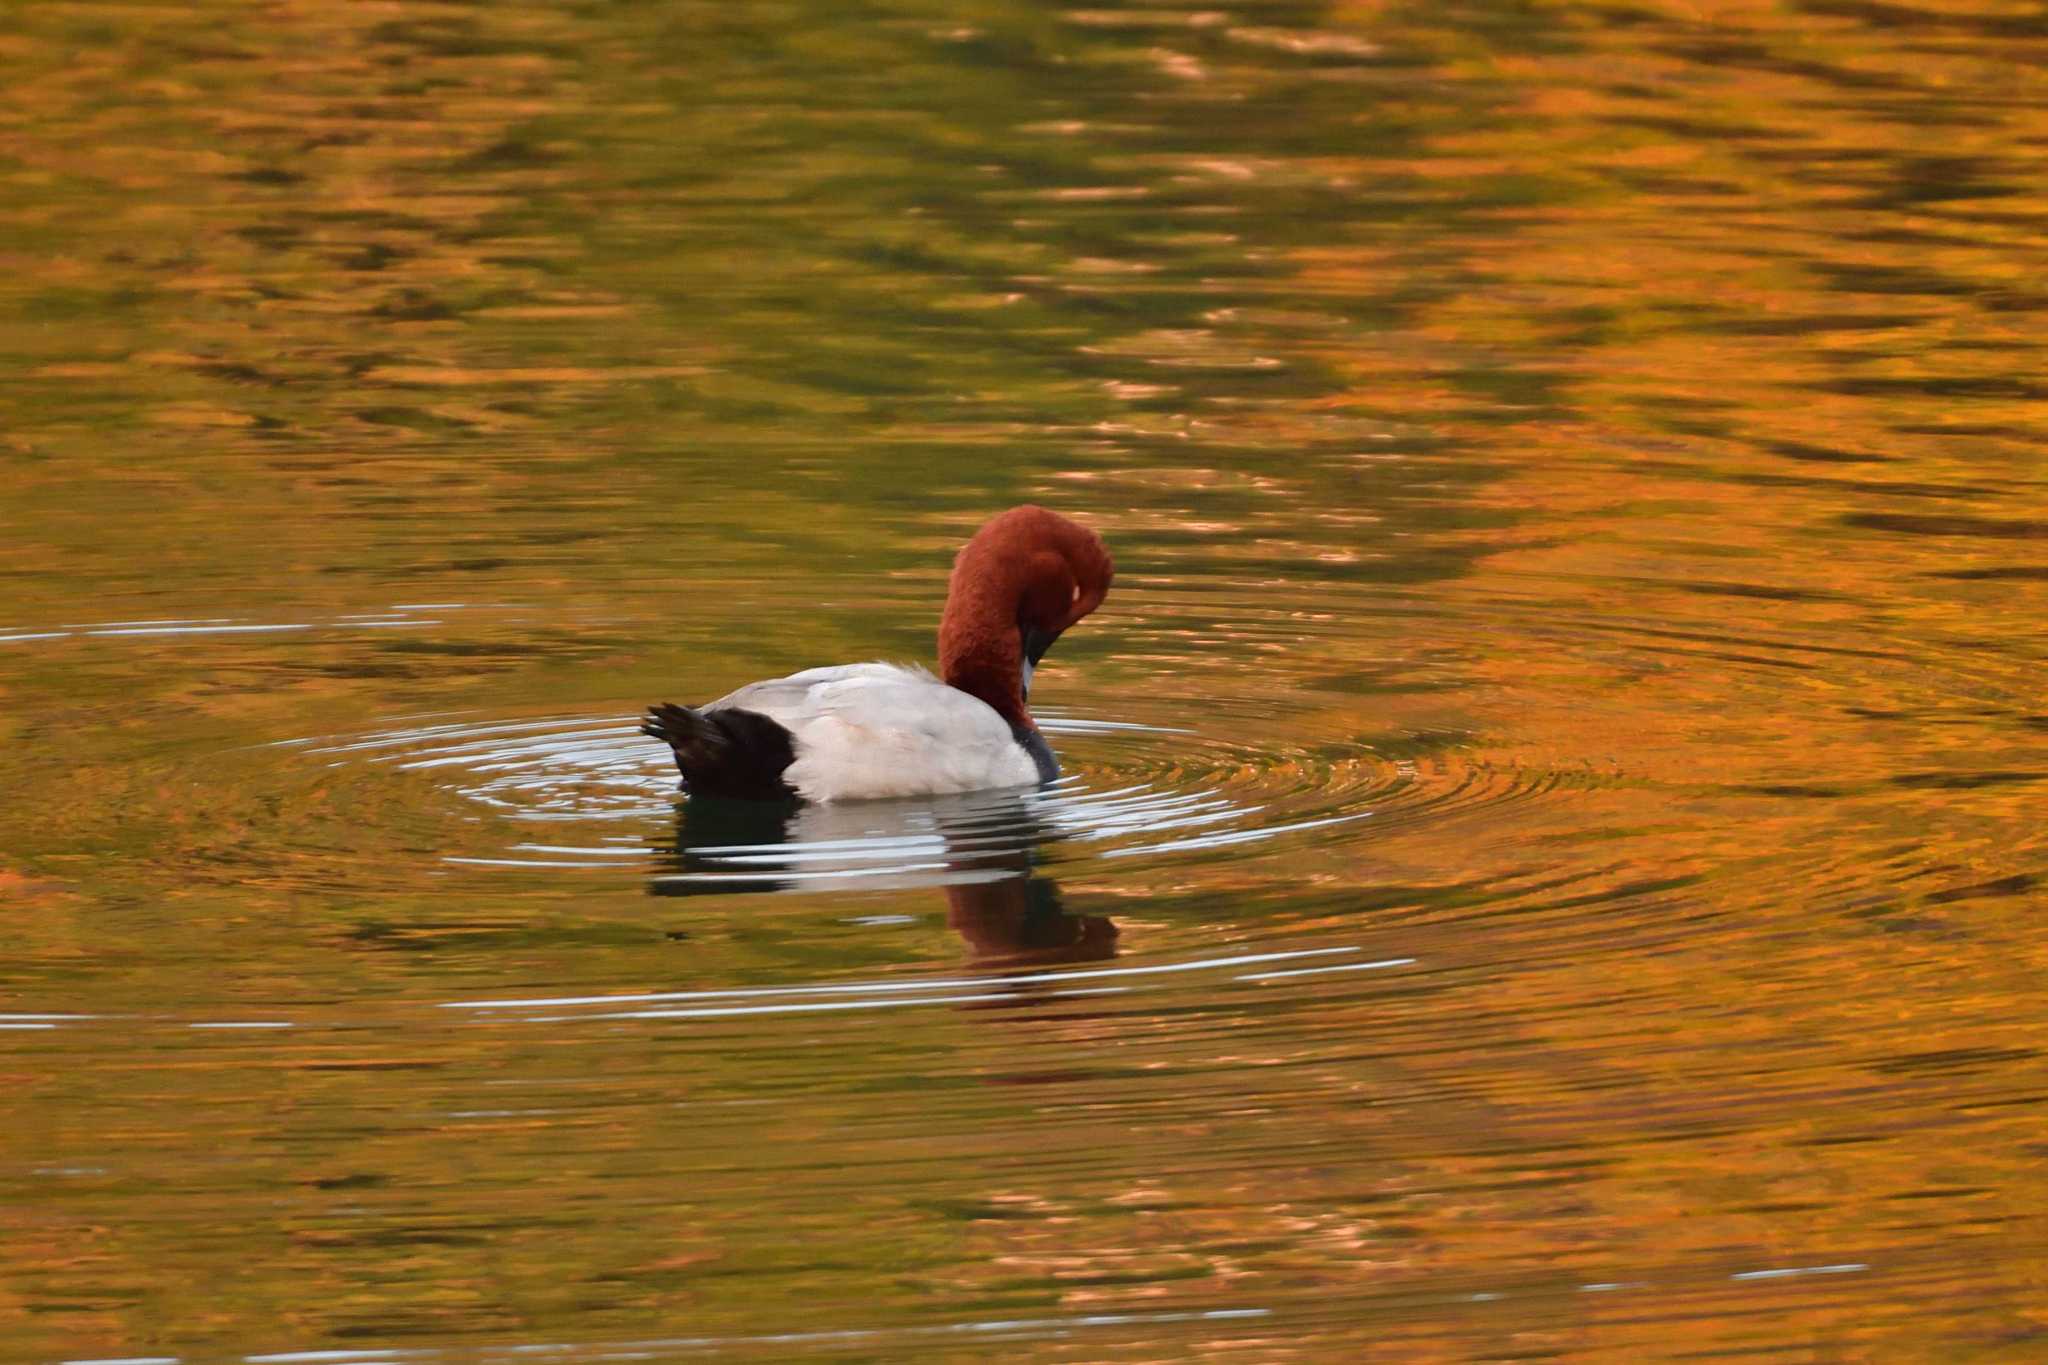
(874, 731)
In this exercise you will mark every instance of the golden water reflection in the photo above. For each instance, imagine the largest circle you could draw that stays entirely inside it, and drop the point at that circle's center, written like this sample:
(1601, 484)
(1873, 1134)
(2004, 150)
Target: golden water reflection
(1553, 853)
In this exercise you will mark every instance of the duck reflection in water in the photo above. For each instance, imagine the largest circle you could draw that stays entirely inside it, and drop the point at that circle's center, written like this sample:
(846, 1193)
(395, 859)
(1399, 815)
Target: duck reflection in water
(979, 849)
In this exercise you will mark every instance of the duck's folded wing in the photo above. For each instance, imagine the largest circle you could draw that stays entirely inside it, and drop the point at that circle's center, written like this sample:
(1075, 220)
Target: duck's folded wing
(794, 697)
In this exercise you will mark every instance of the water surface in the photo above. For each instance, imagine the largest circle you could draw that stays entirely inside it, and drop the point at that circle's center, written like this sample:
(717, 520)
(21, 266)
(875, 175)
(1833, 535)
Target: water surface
(1550, 860)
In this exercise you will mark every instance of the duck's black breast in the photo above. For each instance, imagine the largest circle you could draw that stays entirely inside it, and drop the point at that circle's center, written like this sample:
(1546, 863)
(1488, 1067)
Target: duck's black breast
(1032, 740)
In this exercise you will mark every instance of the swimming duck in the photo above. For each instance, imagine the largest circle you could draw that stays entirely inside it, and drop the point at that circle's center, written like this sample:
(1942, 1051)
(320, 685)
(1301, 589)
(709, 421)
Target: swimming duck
(860, 731)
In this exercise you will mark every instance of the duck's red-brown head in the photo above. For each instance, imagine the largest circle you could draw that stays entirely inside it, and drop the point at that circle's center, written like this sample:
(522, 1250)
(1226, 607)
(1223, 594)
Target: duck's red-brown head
(1026, 575)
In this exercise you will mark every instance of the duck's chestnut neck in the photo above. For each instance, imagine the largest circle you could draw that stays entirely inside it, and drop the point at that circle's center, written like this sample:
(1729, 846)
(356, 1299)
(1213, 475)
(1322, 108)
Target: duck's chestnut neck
(1022, 579)
(981, 647)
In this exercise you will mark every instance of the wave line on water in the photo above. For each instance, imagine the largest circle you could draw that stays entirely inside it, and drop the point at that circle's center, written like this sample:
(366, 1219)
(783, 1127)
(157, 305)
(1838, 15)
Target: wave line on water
(1380, 965)
(197, 630)
(1790, 1272)
(825, 1006)
(1225, 840)
(893, 987)
(166, 626)
(990, 1328)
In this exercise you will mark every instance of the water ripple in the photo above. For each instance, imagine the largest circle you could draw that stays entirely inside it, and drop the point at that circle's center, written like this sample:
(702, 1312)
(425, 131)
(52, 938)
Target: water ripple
(1132, 791)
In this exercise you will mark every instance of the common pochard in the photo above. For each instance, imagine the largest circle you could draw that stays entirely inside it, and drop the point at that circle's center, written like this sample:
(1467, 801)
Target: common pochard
(860, 731)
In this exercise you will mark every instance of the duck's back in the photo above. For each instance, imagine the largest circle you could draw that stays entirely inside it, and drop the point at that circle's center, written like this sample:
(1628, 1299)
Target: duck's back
(862, 731)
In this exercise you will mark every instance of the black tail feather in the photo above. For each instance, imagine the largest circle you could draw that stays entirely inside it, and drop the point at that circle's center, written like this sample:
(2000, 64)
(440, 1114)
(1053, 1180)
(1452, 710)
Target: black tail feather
(725, 753)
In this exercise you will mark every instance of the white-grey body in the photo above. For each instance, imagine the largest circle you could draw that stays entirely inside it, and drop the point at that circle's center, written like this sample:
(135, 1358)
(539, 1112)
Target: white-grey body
(865, 731)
